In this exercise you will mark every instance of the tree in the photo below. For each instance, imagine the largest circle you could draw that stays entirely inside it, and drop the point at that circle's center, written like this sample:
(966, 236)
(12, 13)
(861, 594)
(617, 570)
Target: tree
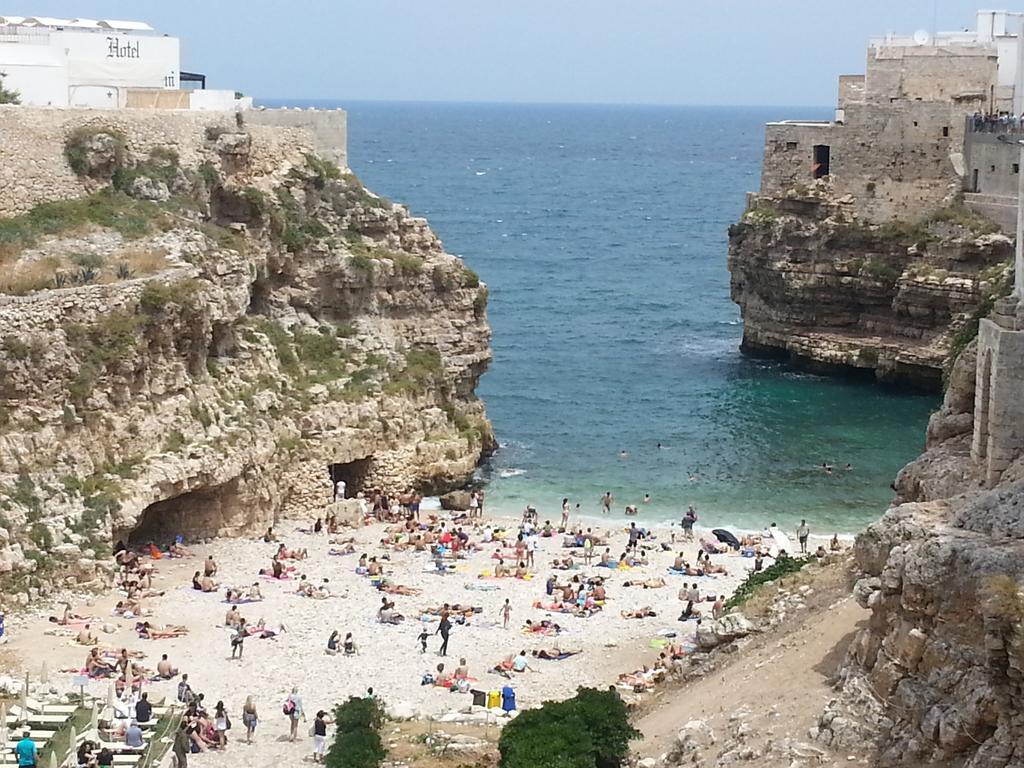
(357, 742)
(8, 96)
(590, 730)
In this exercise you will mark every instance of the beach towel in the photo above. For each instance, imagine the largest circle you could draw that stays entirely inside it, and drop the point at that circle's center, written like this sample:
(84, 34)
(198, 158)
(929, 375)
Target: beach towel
(482, 587)
(243, 601)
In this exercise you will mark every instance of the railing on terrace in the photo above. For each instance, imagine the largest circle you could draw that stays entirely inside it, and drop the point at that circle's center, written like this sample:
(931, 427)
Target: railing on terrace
(997, 124)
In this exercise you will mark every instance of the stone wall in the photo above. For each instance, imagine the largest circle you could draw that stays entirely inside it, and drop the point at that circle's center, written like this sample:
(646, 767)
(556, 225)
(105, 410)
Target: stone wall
(961, 74)
(999, 405)
(851, 90)
(898, 161)
(329, 128)
(33, 168)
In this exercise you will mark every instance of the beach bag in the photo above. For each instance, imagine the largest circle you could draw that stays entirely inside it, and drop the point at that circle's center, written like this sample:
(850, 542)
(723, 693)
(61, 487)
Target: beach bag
(493, 699)
(289, 707)
(227, 723)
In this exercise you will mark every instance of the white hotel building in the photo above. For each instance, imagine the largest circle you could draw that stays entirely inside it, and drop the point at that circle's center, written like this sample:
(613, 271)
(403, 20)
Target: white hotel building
(99, 63)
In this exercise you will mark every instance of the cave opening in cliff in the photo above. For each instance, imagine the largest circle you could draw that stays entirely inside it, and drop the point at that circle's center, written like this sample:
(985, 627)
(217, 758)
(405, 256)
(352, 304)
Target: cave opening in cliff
(353, 474)
(822, 160)
(202, 513)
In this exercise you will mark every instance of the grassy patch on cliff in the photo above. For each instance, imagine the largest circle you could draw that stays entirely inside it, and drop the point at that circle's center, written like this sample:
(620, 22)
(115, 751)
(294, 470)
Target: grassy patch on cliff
(107, 209)
(749, 586)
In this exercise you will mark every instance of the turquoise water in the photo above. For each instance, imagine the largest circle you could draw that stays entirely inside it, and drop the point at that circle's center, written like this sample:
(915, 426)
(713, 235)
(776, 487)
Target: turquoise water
(601, 232)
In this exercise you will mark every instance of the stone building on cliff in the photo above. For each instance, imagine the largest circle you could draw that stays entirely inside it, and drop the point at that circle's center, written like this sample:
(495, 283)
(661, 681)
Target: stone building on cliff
(878, 239)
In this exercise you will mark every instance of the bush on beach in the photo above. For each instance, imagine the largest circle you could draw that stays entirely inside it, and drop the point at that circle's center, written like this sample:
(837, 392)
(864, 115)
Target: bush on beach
(357, 742)
(590, 730)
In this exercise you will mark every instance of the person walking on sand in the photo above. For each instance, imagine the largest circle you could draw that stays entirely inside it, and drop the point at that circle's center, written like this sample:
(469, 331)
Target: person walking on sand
(606, 502)
(237, 642)
(249, 718)
(802, 533)
(320, 736)
(506, 612)
(443, 629)
(293, 709)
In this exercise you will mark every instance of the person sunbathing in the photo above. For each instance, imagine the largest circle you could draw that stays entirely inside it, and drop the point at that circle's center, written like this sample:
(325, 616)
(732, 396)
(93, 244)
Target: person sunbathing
(555, 654)
(177, 550)
(563, 564)
(544, 627)
(398, 589)
(374, 568)
(521, 571)
(96, 665)
(86, 637)
(501, 570)
(654, 583)
(203, 583)
(233, 618)
(148, 632)
(345, 549)
(638, 613)
(164, 668)
(710, 568)
(283, 553)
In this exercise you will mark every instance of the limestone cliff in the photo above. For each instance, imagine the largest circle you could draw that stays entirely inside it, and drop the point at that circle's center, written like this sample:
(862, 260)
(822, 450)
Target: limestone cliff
(206, 331)
(938, 673)
(821, 287)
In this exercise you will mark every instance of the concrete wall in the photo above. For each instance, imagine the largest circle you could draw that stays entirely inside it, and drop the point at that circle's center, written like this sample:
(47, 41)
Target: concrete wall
(999, 399)
(33, 168)
(328, 127)
(997, 164)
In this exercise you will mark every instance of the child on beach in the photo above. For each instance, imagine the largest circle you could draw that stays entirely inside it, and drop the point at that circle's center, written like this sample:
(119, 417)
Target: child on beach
(423, 641)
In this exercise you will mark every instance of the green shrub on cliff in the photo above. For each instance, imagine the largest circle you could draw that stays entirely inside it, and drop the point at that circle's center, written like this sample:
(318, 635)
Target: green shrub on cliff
(997, 283)
(781, 567)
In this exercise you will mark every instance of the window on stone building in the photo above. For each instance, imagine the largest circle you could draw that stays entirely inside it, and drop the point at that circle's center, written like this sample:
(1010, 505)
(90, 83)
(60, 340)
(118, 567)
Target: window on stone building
(945, 131)
(822, 161)
(1016, 167)
(992, 169)
(791, 145)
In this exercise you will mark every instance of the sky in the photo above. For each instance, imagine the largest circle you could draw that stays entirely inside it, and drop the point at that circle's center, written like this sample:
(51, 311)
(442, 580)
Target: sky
(729, 52)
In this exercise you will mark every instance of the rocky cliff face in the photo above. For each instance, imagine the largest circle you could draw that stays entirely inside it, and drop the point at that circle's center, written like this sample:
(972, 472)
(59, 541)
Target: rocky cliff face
(196, 349)
(822, 288)
(938, 673)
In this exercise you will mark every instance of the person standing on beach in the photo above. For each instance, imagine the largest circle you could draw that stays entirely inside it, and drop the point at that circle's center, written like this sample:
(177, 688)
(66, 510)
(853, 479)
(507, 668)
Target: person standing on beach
(249, 718)
(319, 736)
(565, 514)
(339, 490)
(474, 504)
(802, 533)
(293, 708)
(588, 549)
(443, 628)
(182, 744)
(506, 612)
(531, 548)
(237, 642)
(25, 750)
(606, 502)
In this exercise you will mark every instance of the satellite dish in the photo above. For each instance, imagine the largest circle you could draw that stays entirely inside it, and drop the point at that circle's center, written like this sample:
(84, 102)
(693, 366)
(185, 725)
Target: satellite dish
(921, 37)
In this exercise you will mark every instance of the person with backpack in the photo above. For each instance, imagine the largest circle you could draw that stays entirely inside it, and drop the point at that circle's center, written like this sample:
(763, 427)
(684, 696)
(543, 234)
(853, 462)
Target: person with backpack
(293, 709)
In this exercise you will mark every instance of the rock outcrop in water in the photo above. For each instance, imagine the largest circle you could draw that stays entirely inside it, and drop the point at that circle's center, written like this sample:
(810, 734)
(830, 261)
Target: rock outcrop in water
(822, 288)
(938, 674)
(200, 347)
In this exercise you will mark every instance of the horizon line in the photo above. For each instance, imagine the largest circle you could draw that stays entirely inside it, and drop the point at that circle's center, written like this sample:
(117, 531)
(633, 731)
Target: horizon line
(465, 102)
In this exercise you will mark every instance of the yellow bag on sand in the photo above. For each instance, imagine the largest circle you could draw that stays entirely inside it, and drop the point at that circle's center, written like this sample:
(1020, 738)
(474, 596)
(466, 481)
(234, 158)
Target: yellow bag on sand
(493, 699)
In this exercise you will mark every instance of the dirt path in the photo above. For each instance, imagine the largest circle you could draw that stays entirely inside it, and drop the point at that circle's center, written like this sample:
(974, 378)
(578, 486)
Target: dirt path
(782, 679)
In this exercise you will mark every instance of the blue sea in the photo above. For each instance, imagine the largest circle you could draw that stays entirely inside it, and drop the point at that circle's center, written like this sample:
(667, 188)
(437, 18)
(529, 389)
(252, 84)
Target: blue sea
(601, 232)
